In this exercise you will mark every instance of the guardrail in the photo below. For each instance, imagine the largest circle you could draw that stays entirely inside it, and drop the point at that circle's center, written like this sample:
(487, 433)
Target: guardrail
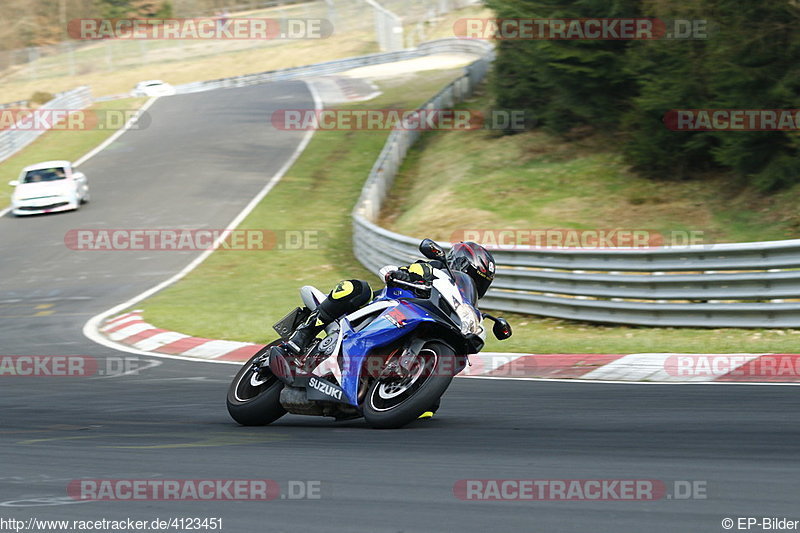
(330, 67)
(13, 140)
(18, 103)
(723, 285)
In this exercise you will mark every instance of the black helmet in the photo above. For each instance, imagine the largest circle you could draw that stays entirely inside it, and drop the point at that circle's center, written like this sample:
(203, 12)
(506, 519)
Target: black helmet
(475, 261)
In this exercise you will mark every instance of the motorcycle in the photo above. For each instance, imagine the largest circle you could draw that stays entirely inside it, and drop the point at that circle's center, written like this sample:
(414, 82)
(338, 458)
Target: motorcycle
(389, 361)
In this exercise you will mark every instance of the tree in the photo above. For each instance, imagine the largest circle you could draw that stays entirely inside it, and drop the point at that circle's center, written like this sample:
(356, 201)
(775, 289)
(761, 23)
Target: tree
(751, 60)
(113, 9)
(565, 82)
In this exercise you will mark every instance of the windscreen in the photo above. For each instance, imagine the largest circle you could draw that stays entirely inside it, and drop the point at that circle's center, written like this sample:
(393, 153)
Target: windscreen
(466, 287)
(44, 174)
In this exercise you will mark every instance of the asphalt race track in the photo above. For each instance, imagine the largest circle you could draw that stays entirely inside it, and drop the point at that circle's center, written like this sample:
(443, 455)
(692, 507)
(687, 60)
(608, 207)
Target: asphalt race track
(168, 421)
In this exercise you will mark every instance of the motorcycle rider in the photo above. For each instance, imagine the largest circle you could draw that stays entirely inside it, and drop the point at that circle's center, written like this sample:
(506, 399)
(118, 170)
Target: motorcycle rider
(350, 295)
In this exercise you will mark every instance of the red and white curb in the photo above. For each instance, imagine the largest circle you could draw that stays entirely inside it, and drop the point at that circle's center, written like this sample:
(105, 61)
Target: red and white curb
(177, 342)
(131, 330)
(655, 367)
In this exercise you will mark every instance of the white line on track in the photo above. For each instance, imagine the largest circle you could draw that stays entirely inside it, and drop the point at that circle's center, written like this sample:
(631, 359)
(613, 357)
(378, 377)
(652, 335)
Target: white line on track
(131, 121)
(578, 380)
(90, 329)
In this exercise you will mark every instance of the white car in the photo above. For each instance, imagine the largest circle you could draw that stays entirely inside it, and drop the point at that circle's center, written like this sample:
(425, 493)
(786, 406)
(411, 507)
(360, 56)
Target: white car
(49, 187)
(153, 88)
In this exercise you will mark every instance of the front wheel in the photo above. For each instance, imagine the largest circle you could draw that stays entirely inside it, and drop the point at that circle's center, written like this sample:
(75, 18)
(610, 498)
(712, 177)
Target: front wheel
(254, 397)
(393, 402)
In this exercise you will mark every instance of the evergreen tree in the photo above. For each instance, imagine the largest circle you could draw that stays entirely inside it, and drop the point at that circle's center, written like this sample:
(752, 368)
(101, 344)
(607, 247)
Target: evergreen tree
(750, 61)
(755, 64)
(565, 82)
(670, 75)
(113, 9)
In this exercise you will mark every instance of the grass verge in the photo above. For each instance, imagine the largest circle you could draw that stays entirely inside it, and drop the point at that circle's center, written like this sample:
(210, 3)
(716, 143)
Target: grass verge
(114, 68)
(63, 144)
(205, 66)
(552, 335)
(538, 181)
(238, 295)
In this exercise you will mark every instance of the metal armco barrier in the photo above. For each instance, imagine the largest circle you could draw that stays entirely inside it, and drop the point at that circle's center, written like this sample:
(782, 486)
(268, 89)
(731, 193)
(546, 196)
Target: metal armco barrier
(722, 285)
(332, 67)
(13, 140)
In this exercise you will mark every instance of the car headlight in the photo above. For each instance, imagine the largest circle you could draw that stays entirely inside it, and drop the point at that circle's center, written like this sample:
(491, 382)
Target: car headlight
(470, 323)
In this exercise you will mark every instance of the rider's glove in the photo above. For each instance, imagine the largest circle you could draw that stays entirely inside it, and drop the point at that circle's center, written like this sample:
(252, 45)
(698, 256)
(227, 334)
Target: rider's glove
(419, 272)
(399, 275)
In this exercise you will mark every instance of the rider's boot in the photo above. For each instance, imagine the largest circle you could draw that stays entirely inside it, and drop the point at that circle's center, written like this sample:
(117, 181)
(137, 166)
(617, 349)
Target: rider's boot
(306, 332)
(302, 336)
(431, 411)
(296, 344)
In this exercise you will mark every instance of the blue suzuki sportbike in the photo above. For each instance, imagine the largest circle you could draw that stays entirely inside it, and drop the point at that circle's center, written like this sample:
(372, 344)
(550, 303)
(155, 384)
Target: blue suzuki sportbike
(389, 362)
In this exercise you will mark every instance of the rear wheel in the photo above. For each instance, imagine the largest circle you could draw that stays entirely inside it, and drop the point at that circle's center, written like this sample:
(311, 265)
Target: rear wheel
(254, 397)
(393, 401)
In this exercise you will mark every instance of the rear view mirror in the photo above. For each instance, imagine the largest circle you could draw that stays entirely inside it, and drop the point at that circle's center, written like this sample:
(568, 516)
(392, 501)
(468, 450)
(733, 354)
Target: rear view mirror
(501, 329)
(13, 183)
(431, 250)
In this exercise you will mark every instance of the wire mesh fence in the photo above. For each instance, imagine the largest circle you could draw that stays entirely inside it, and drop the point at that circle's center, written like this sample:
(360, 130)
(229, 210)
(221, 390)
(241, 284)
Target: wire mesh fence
(393, 25)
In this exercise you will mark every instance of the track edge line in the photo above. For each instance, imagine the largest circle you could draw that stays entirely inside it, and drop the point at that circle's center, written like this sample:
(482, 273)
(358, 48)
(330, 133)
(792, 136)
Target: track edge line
(91, 327)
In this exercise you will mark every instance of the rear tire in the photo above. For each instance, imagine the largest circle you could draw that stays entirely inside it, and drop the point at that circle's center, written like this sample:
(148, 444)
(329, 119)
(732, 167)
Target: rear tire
(254, 400)
(393, 403)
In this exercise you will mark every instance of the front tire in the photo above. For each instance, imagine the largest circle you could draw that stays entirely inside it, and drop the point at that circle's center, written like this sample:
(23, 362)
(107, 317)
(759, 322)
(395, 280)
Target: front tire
(392, 403)
(253, 398)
